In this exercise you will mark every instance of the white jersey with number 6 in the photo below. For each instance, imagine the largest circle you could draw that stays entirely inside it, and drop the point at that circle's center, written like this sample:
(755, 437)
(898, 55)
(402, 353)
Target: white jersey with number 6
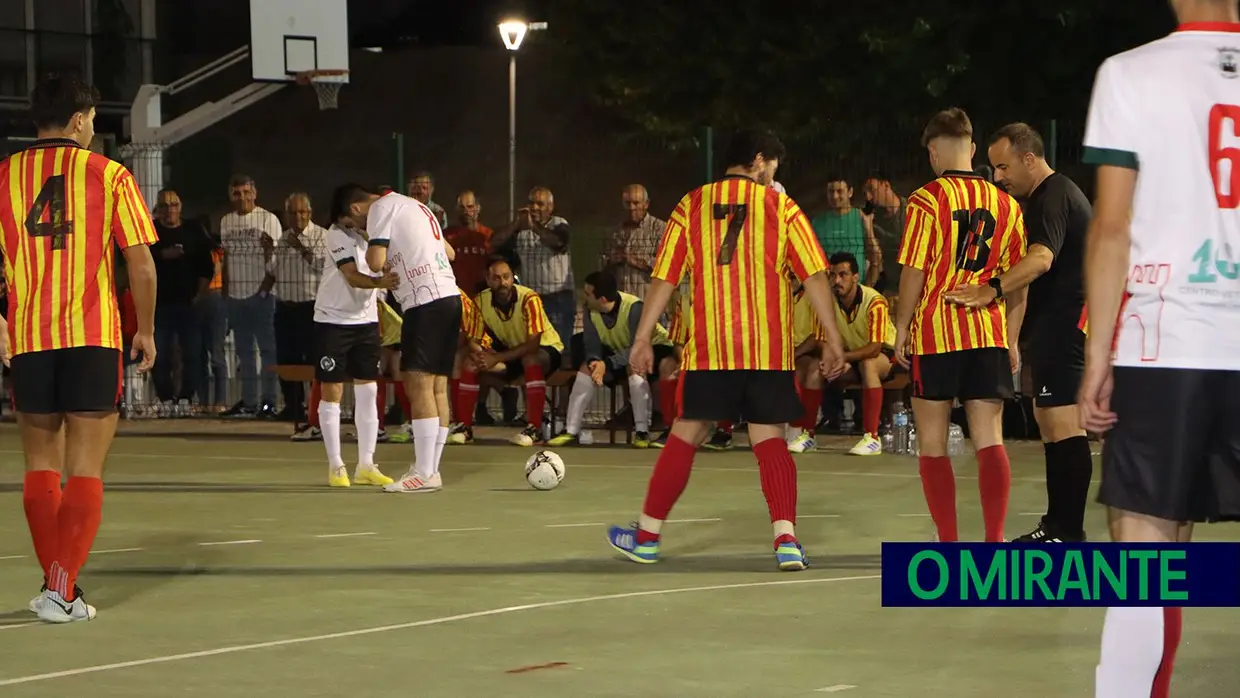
(415, 249)
(1171, 109)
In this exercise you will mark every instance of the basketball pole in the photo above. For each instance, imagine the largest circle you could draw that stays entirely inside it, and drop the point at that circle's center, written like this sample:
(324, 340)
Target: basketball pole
(512, 135)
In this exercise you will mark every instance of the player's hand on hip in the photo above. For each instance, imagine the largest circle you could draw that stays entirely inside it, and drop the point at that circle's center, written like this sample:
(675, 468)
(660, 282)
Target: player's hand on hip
(971, 296)
(1094, 398)
(143, 349)
(902, 349)
(641, 357)
(598, 369)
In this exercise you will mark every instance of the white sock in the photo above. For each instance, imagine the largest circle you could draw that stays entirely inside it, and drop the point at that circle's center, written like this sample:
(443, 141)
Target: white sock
(649, 524)
(425, 434)
(329, 424)
(366, 419)
(639, 398)
(578, 400)
(440, 440)
(1132, 650)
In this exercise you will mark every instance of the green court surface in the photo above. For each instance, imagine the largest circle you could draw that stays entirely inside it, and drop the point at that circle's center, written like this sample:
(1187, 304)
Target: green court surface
(226, 567)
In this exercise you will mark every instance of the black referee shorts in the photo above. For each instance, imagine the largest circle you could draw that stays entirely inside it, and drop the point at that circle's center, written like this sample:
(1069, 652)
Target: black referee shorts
(753, 397)
(1056, 356)
(79, 379)
(1174, 452)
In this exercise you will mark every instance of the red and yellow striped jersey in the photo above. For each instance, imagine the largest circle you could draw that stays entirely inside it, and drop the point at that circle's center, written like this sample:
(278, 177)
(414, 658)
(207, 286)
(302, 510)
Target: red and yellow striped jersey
(678, 328)
(62, 211)
(960, 229)
(471, 322)
(736, 241)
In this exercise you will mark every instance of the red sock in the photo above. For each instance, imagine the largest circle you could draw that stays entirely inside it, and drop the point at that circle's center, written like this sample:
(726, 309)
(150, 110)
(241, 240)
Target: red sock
(535, 394)
(454, 395)
(316, 396)
(871, 410)
(402, 398)
(778, 473)
(1173, 624)
(467, 398)
(667, 401)
(938, 481)
(811, 399)
(726, 426)
(381, 400)
(667, 483)
(994, 479)
(81, 509)
(41, 497)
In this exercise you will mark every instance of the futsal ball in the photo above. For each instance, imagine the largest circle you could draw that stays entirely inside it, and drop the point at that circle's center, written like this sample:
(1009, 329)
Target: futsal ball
(544, 470)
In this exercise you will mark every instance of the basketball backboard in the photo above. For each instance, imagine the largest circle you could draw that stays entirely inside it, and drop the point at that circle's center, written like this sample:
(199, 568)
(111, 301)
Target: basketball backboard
(291, 36)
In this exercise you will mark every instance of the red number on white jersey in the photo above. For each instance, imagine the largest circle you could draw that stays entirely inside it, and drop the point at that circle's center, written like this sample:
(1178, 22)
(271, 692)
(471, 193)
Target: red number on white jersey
(1226, 185)
(435, 222)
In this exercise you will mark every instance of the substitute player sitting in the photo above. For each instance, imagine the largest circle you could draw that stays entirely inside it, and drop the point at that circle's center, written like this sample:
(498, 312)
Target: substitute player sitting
(464, 384)
(611, 325)
(523, 344)
(737, 241)
(807, 337)
(347, 341)
(960, 229)
(864, 321)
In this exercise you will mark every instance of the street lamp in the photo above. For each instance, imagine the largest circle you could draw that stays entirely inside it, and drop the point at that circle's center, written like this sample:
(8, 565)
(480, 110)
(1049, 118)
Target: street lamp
(513, 33)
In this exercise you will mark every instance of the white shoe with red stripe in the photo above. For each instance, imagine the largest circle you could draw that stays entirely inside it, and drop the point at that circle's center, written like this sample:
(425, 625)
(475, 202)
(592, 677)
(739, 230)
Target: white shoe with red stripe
(412, 483)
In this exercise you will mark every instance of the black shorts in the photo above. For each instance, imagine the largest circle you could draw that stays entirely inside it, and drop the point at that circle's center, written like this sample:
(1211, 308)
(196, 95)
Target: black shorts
(1056, 356)
(754, 397)
(80, 379)
(430, 336)
(1174, 452)
(514, 369)
(618, 376)
(971, 374)
(345, 352)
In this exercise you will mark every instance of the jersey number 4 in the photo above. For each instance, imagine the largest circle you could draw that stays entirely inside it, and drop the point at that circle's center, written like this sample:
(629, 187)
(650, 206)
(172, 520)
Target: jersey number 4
(51, 199)
(974, 230)
(735, 215)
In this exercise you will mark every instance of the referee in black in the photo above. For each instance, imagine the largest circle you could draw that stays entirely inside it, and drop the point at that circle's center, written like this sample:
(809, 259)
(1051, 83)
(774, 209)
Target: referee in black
(1057, 214)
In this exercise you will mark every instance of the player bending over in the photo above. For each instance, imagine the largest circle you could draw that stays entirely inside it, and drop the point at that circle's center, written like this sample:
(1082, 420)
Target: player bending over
(405, 238)
(1056, 215)
(347, 340)
(864, 321)
(960, 229)
(1160, 284)
(611, 325)
(63, 212)
(807, 337)
(463, 387)
(523, 342)
(737, 241)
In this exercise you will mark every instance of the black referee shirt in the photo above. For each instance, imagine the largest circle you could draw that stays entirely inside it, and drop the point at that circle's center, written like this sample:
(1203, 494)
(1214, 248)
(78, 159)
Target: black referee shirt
(1057, 216)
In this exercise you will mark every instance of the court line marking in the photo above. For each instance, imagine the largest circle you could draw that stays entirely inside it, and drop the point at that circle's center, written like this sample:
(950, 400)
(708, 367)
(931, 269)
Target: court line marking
(12, 557)
(233, 649)
(116, 550)
(692, 520)
(19, 625)
(818, 516)
(574, 525)
(911, 516)
(460, 530)
(230, 542)
(835, 689)
(345, 535)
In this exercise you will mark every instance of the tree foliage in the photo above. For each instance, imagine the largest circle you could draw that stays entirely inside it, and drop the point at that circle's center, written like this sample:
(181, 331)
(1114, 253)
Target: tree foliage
(825, 69)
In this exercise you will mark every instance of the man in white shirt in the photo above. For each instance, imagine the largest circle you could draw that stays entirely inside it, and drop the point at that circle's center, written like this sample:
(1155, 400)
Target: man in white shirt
(346, 328)
(248, 235)
(1162, 286)
(299, 258)
(405, 238)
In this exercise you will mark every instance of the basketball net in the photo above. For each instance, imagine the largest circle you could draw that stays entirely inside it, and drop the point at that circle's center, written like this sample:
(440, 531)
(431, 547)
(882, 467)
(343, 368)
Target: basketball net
(327, 91)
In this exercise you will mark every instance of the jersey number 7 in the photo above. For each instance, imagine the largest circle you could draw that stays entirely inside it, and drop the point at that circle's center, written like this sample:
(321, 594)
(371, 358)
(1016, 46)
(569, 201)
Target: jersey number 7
(735, 215)
(974, 230)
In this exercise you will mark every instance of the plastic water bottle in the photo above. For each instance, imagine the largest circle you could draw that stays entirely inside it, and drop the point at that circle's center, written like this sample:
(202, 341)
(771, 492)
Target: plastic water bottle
(913, 448)
(888, 439)
(955, 441)
(899, 427)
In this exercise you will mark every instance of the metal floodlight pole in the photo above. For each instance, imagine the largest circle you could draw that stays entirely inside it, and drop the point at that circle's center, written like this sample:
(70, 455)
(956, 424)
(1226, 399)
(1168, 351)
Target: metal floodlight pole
(513, 33)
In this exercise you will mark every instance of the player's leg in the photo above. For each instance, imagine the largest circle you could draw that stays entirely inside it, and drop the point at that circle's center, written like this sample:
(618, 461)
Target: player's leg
(331, 355)
(769, 403)
(809, 384)
(363, 364)
(986, 383)
(873, 372)
(705, 398)
(42, 435)
(467, 394)
(1161, 468)
(88, 387)
(440, 357)
(535, 367)
(936, 380)
(669, 377)
(429, 339)
(579, 399)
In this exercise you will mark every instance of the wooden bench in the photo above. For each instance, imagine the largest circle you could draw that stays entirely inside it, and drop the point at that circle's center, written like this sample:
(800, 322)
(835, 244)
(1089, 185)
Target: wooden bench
(560, 379)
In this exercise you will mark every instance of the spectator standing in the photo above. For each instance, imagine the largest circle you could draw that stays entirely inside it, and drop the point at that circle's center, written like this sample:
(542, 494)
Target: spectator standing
(183, 269)
(843, 228)
(887, 208)
(421, 186)
(472, 242)
(248, 235)
(630, 249)
(537, 240)
(299, 259)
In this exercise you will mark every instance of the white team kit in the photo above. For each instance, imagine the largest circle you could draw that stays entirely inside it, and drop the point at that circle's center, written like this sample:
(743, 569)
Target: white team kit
(1170, 110)
(415, 249)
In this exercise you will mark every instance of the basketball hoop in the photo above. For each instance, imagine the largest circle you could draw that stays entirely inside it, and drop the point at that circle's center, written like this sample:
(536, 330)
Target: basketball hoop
(326, 84)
